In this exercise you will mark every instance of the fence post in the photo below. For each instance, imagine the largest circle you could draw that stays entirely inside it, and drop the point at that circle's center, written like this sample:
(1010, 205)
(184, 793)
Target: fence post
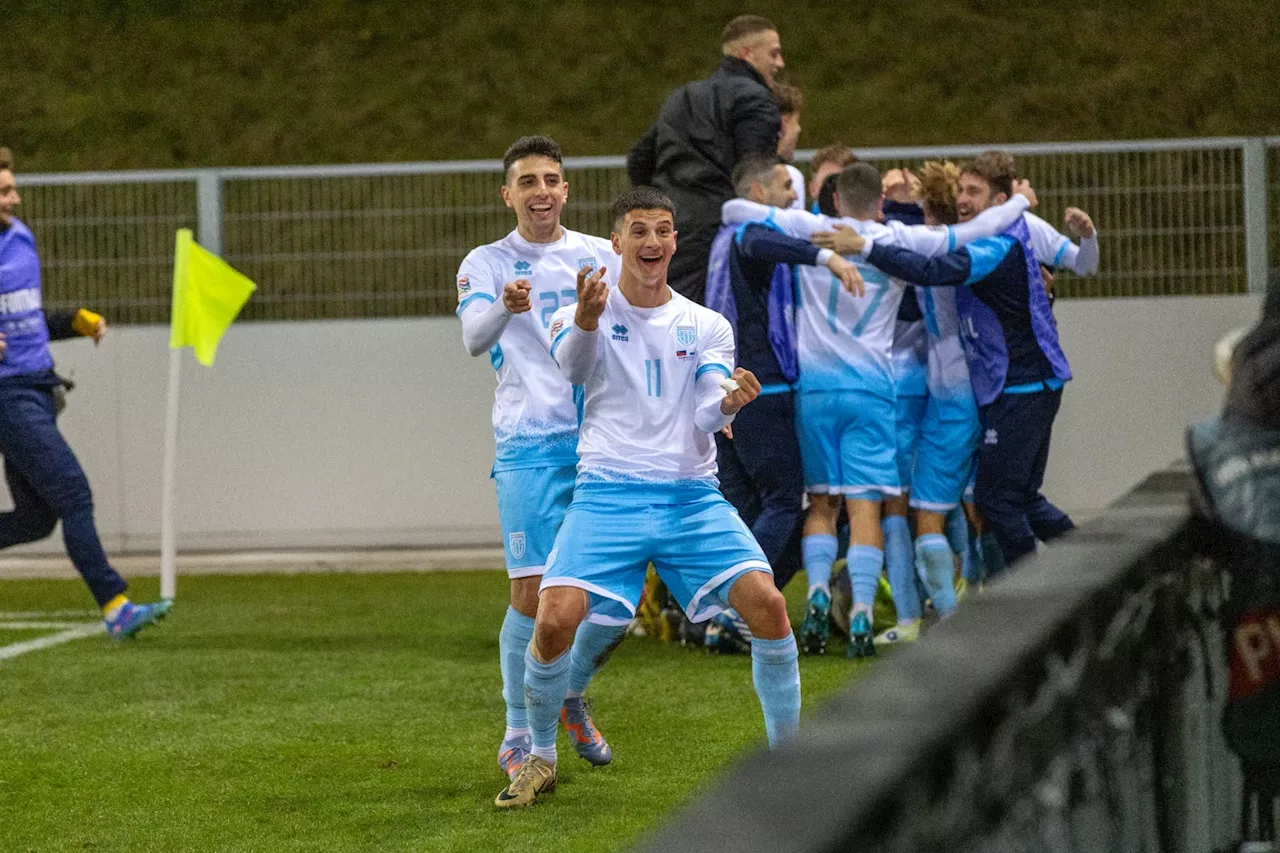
(209, 209)
(1255, 213)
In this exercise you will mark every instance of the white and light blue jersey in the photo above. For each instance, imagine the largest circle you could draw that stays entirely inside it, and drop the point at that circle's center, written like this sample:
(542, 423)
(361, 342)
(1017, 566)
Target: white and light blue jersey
(640, 398)
(910, 357)
(947, 372)
(535, 419)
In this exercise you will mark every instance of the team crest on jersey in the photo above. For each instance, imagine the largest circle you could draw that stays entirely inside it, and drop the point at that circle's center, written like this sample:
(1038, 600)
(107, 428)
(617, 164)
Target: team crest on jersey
(464, 285)
(523, 267)
(587, 264)
(516, 544)
(620, 332)
(685, 335)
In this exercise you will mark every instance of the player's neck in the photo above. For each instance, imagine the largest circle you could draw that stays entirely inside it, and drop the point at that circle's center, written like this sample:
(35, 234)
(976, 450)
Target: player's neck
(640, 294)
(532, 234)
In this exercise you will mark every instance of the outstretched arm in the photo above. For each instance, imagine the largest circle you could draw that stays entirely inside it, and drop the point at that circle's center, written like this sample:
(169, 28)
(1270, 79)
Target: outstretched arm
(950, 270)
(575, 330)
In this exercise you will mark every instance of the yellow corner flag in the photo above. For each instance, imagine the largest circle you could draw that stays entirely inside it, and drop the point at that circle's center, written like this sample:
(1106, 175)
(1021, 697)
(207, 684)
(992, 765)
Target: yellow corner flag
(207, 295)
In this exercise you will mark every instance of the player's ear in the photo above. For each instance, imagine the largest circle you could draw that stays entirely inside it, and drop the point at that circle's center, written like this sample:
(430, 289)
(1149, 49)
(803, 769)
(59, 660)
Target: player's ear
(506, 196)
(616, 239)
(565, 187)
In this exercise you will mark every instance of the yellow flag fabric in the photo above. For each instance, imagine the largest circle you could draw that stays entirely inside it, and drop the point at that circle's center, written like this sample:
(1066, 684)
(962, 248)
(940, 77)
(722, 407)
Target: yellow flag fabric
(207, 295)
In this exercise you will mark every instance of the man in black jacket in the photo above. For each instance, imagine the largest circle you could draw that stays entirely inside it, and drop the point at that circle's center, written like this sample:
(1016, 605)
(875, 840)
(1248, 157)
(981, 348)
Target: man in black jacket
(702, 131)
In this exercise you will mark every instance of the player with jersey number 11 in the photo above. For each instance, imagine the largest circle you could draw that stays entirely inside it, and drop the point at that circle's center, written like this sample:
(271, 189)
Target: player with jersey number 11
(651, 364)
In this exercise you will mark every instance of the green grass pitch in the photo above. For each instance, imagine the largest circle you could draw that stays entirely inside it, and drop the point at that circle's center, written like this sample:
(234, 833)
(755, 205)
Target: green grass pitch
(340, 713)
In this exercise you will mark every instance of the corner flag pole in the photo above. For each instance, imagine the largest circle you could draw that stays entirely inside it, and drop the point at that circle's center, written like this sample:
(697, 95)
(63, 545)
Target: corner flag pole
(168, 542)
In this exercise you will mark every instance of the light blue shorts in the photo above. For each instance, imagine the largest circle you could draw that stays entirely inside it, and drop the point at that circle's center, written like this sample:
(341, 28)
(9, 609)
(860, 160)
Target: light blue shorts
(910, 419)
(531, 506)
(848, 444)
(691, 534)
(945, 454)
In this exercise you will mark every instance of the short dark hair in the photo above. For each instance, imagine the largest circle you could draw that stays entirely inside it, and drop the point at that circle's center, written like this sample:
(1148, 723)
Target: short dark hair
(751, 168)
(745, 25)
(639, 198)
(789, 97)
(531, 146)
(6, 158)
(839, 154)
(827, 195)
(995, 167)
(859, 187)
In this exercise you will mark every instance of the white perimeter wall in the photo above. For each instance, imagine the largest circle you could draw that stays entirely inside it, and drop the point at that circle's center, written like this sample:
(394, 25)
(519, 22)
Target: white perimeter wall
(376, 433)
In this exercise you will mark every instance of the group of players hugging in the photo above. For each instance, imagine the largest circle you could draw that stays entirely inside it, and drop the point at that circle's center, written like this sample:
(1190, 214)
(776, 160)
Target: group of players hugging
(890, 351)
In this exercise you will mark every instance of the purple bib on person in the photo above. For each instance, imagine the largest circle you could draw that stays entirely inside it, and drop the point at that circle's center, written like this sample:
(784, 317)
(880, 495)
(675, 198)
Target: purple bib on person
(781, 303)
(22, 322)
(984, 335)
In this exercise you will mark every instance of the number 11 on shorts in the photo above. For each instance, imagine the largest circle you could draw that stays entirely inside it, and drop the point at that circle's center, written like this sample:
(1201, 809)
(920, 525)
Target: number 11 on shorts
(653, 376)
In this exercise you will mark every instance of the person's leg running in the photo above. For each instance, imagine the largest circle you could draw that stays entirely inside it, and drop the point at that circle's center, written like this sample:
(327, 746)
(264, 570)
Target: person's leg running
(775, 668)
(899, 561)
(31, 442)
(31, 519)
(934, 561)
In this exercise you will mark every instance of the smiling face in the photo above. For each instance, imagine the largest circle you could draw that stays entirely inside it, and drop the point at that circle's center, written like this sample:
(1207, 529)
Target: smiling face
(975, 196)
(9, 198)
(536, 190)
(764, 51)
(646, 240)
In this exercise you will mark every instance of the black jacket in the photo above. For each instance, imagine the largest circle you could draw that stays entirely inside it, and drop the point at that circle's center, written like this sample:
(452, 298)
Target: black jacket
(702, 131)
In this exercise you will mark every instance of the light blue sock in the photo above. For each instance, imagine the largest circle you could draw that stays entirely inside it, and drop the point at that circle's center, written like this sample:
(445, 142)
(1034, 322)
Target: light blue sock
(936, 567)
(545, 686)
(957, 531)
(818, 552)
(775, 671)
(513, 643)
(865, 563)
(900, 566)
(593, 645)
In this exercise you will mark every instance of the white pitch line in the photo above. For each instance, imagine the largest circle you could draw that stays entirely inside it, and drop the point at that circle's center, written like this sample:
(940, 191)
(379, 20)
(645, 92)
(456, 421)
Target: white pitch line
(12, 651)
(46, 614)
(36, 626)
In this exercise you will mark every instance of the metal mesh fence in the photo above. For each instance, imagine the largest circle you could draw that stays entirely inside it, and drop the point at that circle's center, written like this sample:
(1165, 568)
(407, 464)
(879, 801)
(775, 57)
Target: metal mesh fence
(385, 241)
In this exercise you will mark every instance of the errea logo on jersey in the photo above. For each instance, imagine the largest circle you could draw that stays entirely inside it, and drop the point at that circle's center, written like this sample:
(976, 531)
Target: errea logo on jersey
(523, 267)
(620, 332)
(991, 437)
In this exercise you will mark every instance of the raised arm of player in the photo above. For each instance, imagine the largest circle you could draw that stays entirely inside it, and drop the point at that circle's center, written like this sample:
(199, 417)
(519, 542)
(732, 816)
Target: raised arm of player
(575, 328)
(795, 223)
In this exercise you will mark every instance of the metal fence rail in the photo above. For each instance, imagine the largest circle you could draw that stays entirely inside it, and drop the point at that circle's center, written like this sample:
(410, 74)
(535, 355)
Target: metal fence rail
(1176, 217)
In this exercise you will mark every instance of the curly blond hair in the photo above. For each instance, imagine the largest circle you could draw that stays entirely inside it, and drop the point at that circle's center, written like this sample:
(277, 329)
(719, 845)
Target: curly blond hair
(939, 186)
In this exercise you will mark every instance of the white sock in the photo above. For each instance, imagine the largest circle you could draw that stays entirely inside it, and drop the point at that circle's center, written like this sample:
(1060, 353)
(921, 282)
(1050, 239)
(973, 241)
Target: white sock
(547, 754)
(515, 733)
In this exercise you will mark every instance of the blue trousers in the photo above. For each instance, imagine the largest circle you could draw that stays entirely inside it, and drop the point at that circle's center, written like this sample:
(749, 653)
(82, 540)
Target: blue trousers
(1016, 430)
(47, 484)
(760, 475)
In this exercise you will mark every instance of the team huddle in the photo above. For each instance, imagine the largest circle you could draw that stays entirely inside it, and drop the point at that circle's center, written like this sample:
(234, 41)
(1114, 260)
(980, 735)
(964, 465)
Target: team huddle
(895, 349)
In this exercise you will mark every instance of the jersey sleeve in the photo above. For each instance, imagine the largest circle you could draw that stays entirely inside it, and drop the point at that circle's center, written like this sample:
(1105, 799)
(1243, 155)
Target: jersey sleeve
(1050, 245)
(716, 355)
(478, 287)
(794, 223)
(574, 351)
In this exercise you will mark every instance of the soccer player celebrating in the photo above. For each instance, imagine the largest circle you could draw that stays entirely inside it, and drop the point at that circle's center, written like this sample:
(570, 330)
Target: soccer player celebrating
(847, 398)
(1016, 364)
(45, 479)
(655, 369)
(507, 292)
